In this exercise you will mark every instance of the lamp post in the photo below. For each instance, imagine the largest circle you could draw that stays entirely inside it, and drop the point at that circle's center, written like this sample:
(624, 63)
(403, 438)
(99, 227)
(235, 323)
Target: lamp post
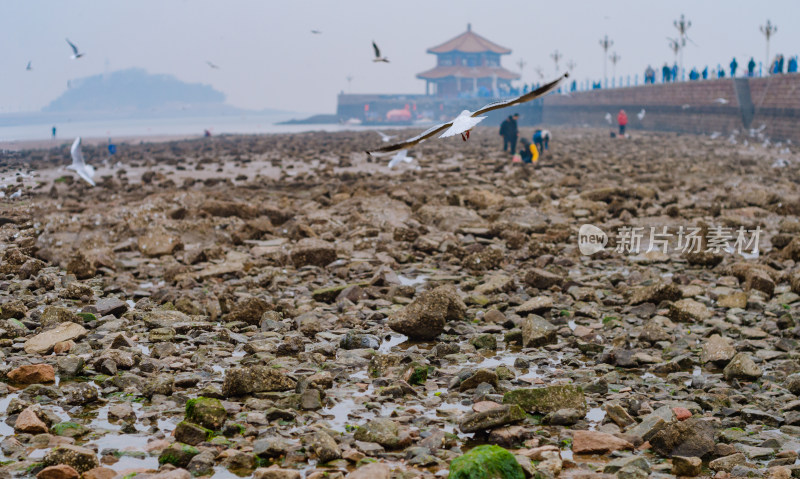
(349, 80)
(521, 64)
(605, 43)
(683, 26)
(768, 30)
(614, 59)
(570, 66)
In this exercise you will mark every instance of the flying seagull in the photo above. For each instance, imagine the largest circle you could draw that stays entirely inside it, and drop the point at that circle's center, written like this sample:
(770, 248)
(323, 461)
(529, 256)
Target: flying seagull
(378, 57)
(400, 156)
(215, 67)
(385, 137)
(466, 120)
(316, 32)
(721, 101)
(29, 68)
(75, 53)
(641, 115)
(78, 165)
(608, 118)
(686, 106)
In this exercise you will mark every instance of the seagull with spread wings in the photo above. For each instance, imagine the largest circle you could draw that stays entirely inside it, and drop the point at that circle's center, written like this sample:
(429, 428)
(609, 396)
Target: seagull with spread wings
(215, 67)
(316, 32)
(378, 57)
(75, 53)
(78, 165)
(466, 120)
(384, 137)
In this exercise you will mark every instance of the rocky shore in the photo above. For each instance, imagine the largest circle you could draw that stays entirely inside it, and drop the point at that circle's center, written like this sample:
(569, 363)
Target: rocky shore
(284, 307)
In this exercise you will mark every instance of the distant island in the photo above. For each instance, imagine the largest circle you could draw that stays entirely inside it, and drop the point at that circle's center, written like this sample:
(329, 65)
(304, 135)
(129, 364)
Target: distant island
(136, 93)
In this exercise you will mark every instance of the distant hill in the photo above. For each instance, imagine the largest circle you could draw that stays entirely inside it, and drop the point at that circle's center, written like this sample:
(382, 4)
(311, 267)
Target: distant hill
(134, 90)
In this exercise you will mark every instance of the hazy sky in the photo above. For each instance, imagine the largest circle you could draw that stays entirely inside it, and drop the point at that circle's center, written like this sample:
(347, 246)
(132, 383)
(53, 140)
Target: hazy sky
(269, 59)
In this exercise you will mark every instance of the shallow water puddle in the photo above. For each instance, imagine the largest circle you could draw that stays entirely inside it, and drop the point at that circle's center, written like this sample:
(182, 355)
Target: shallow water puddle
(594, 417)
(394, 340)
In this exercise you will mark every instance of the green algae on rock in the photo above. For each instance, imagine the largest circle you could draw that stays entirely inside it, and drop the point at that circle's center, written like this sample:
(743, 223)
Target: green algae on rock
(486, 462)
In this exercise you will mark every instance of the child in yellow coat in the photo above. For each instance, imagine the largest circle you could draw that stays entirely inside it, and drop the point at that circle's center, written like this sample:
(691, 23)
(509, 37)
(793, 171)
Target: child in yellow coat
(529, 153)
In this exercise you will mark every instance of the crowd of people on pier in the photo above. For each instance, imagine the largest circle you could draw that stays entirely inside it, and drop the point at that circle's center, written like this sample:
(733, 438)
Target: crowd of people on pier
(671, 73)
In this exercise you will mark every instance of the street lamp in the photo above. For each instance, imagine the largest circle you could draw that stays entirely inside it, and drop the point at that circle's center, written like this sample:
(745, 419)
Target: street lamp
(683, 26)
(614, 59)
(768, 30)
(349, 80)
(570, 66)
(556, 57)
(605, 43)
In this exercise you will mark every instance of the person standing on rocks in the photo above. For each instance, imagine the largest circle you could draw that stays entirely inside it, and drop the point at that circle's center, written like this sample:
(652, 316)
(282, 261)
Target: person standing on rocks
(509, 132)
(622, 120)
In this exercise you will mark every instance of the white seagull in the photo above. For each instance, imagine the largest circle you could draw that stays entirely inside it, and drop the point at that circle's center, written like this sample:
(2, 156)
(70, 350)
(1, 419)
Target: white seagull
(715, 135)
(385, 137)
(78, 165)
(686, 106)
(466, 120)
(378, 57)
(400, 156)
(215, 67)
(608, 118)
(721, 101)
(29, 68)
(75, 53)
(641, 115)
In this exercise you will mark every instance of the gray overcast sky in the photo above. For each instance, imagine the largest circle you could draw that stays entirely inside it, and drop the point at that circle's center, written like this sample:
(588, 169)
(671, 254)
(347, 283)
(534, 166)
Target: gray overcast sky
(269, 59)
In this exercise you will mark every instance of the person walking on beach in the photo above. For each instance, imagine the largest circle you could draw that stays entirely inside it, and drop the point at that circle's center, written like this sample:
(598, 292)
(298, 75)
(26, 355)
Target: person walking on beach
(509, 132)
(622, 120)
(734, 65)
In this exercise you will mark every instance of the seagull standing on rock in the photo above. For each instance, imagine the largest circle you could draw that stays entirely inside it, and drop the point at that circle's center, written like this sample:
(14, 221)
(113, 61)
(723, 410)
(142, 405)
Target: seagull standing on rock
(608, 118)
(466, 120)
(640, 115)
(78, 165)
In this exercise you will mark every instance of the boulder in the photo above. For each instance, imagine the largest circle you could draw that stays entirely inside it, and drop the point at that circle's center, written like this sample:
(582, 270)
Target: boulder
(536, 331)
(43, 342)
(742, 366)
(32, 374)
(253, 379)
(79, 458)
(693, 437)
(425, 317)
(490, 419)
(486, 461)
(314, 252)
(596, 442)
(548, 399)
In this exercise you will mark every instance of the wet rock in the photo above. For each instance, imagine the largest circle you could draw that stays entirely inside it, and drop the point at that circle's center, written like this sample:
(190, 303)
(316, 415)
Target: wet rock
(536, 332)
(619, 415)
(159, 384)
(652, 423)
(81, 267)
(727, 463)
(742, 367)
(479, 377)
(692, 437)
(793, 384)
(191, 434)
(226, 209)
(246, 380)
(52, 316)
(80, 458)
(375, 470)
(486, 461)
(314, 252)
(100, 473)
(156, 241)
(43, 342)
(492, 418)
(735, 300)
(656, 294)
(113, 306)
(357, 340)
(759, 280)
(207, 412)
(202, 464)
(425, 317)
(688, 310)
(248, 310)
(32, 374)
(717, 350)
(311, 400)
(15, 309)
(541, 279)
(548, 399)
(61, 471)
(382, 431)
(178, 454)
(325, 447)
(595, 442)
(687, 466)
(484, 341)
(537, 305)
(28, 422)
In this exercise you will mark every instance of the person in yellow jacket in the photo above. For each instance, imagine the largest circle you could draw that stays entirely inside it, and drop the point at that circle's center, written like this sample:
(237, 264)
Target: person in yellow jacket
(529, 153)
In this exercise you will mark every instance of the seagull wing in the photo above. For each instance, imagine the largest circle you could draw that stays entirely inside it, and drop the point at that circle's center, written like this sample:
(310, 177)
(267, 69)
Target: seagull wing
(77, 155)
(521, 99)
(413, 141)
(74, 48)
(84, 174)
(377, 50)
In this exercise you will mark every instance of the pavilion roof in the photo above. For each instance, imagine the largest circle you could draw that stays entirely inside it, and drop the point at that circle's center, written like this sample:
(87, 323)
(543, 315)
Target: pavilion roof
(467, 72)
(469, 42)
